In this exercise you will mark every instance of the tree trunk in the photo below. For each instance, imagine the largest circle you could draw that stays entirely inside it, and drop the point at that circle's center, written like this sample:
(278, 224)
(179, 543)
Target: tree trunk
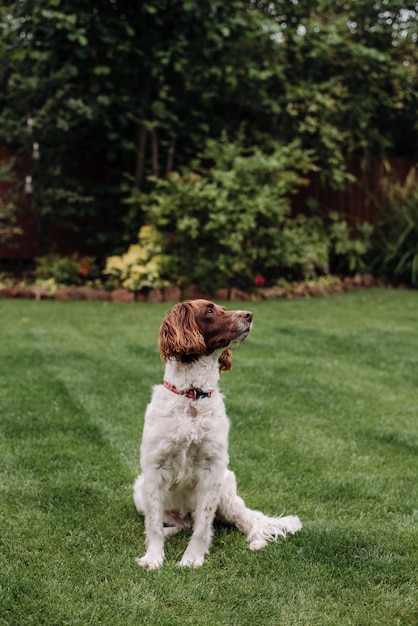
(154, 153)
(170, 157)
(142, 141)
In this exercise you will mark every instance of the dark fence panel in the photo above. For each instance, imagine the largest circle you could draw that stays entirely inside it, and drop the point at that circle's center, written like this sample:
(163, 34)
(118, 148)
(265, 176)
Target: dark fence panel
(359, 202)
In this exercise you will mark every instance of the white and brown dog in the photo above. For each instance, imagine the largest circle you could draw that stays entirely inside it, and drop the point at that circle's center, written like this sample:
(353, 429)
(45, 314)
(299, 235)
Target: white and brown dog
(185, 481)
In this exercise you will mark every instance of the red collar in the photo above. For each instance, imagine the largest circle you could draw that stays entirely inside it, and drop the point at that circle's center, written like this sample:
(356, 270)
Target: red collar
(194, 394)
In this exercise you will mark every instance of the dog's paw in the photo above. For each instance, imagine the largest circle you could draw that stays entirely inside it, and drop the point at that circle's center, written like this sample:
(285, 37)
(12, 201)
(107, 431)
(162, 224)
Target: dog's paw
(257, 543)
(190, 560)
(291, 524)
(149, 561)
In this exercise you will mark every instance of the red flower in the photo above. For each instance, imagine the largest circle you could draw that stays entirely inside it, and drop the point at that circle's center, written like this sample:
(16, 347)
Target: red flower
(259, 280)
(85, 267)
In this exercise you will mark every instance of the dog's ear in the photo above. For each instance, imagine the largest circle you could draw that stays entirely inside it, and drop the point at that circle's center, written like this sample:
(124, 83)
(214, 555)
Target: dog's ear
(179, 334)
(225, 361)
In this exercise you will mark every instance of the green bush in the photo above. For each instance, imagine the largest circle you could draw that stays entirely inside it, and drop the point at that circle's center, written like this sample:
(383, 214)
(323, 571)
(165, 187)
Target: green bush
(395, 250)
(71, 270)
(9, 195)
(348, 246)
(227, 220)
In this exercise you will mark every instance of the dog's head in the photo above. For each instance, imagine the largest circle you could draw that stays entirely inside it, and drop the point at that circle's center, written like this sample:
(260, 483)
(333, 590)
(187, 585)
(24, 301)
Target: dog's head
(197, 327)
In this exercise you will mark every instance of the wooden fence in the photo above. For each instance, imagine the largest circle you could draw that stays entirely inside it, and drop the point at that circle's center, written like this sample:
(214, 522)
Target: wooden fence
(360, 201)
(357, 204)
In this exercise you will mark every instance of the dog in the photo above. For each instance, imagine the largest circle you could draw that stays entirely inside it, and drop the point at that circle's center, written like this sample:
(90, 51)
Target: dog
(185, 481)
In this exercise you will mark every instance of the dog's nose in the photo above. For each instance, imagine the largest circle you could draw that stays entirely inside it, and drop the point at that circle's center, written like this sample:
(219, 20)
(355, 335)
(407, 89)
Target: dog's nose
(248, 315)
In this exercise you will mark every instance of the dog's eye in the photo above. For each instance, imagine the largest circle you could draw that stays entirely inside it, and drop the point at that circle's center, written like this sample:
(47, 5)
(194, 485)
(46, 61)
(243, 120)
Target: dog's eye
(209, 310)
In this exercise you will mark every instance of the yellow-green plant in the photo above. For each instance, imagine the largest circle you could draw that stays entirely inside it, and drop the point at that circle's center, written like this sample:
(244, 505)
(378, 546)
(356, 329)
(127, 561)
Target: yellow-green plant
(139, 267)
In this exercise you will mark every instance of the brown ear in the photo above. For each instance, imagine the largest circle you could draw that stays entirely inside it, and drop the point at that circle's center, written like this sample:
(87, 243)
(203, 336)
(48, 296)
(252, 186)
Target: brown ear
(225, 361)
(179, 333)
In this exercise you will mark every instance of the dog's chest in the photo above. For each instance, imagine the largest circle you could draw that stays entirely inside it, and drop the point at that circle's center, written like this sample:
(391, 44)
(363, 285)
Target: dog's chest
(192, 434)
(193, 437)
(192, 447)
(182, 438)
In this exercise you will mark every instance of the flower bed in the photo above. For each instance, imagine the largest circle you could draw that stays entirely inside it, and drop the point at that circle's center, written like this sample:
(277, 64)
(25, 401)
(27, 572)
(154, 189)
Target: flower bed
(324, 286)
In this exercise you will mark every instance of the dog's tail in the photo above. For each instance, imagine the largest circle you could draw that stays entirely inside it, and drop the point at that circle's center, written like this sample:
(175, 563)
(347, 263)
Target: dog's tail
(264, 528)
(259, 528)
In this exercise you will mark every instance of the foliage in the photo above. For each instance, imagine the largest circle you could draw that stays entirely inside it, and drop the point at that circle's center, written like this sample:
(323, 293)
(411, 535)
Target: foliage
(113, 91)
(9, 193)
(72, 270)
(140, 267)
(93, 85)
(227, 220)
(303, 248)
(349, 247)
(6, 280)
(317, 429)
(395, 250)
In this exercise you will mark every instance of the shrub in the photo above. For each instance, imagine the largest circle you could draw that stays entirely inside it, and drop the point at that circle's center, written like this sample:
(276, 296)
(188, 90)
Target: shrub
(227, 220)
(348, 246)
(9, 197)
(140, 267)
(71, 270)
(395, 249)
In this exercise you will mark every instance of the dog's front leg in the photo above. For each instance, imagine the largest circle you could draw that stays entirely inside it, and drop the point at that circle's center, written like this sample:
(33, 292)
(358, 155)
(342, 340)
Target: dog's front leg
(200, 541)
(153, 512)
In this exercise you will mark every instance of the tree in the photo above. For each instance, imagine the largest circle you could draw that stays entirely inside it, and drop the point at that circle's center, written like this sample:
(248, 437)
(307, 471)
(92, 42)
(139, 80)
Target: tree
(92, 84)
(349, 71)
(112, 91)
(64, 88)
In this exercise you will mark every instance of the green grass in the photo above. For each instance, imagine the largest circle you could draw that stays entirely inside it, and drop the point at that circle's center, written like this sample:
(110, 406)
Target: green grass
(324, 409)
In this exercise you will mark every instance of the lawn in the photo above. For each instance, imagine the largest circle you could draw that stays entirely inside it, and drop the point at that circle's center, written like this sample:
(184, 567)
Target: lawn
(324, 409)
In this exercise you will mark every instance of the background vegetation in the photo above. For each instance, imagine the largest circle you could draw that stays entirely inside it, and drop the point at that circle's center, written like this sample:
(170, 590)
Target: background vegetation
(323, 404)
(97, 96)
(395, 248)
